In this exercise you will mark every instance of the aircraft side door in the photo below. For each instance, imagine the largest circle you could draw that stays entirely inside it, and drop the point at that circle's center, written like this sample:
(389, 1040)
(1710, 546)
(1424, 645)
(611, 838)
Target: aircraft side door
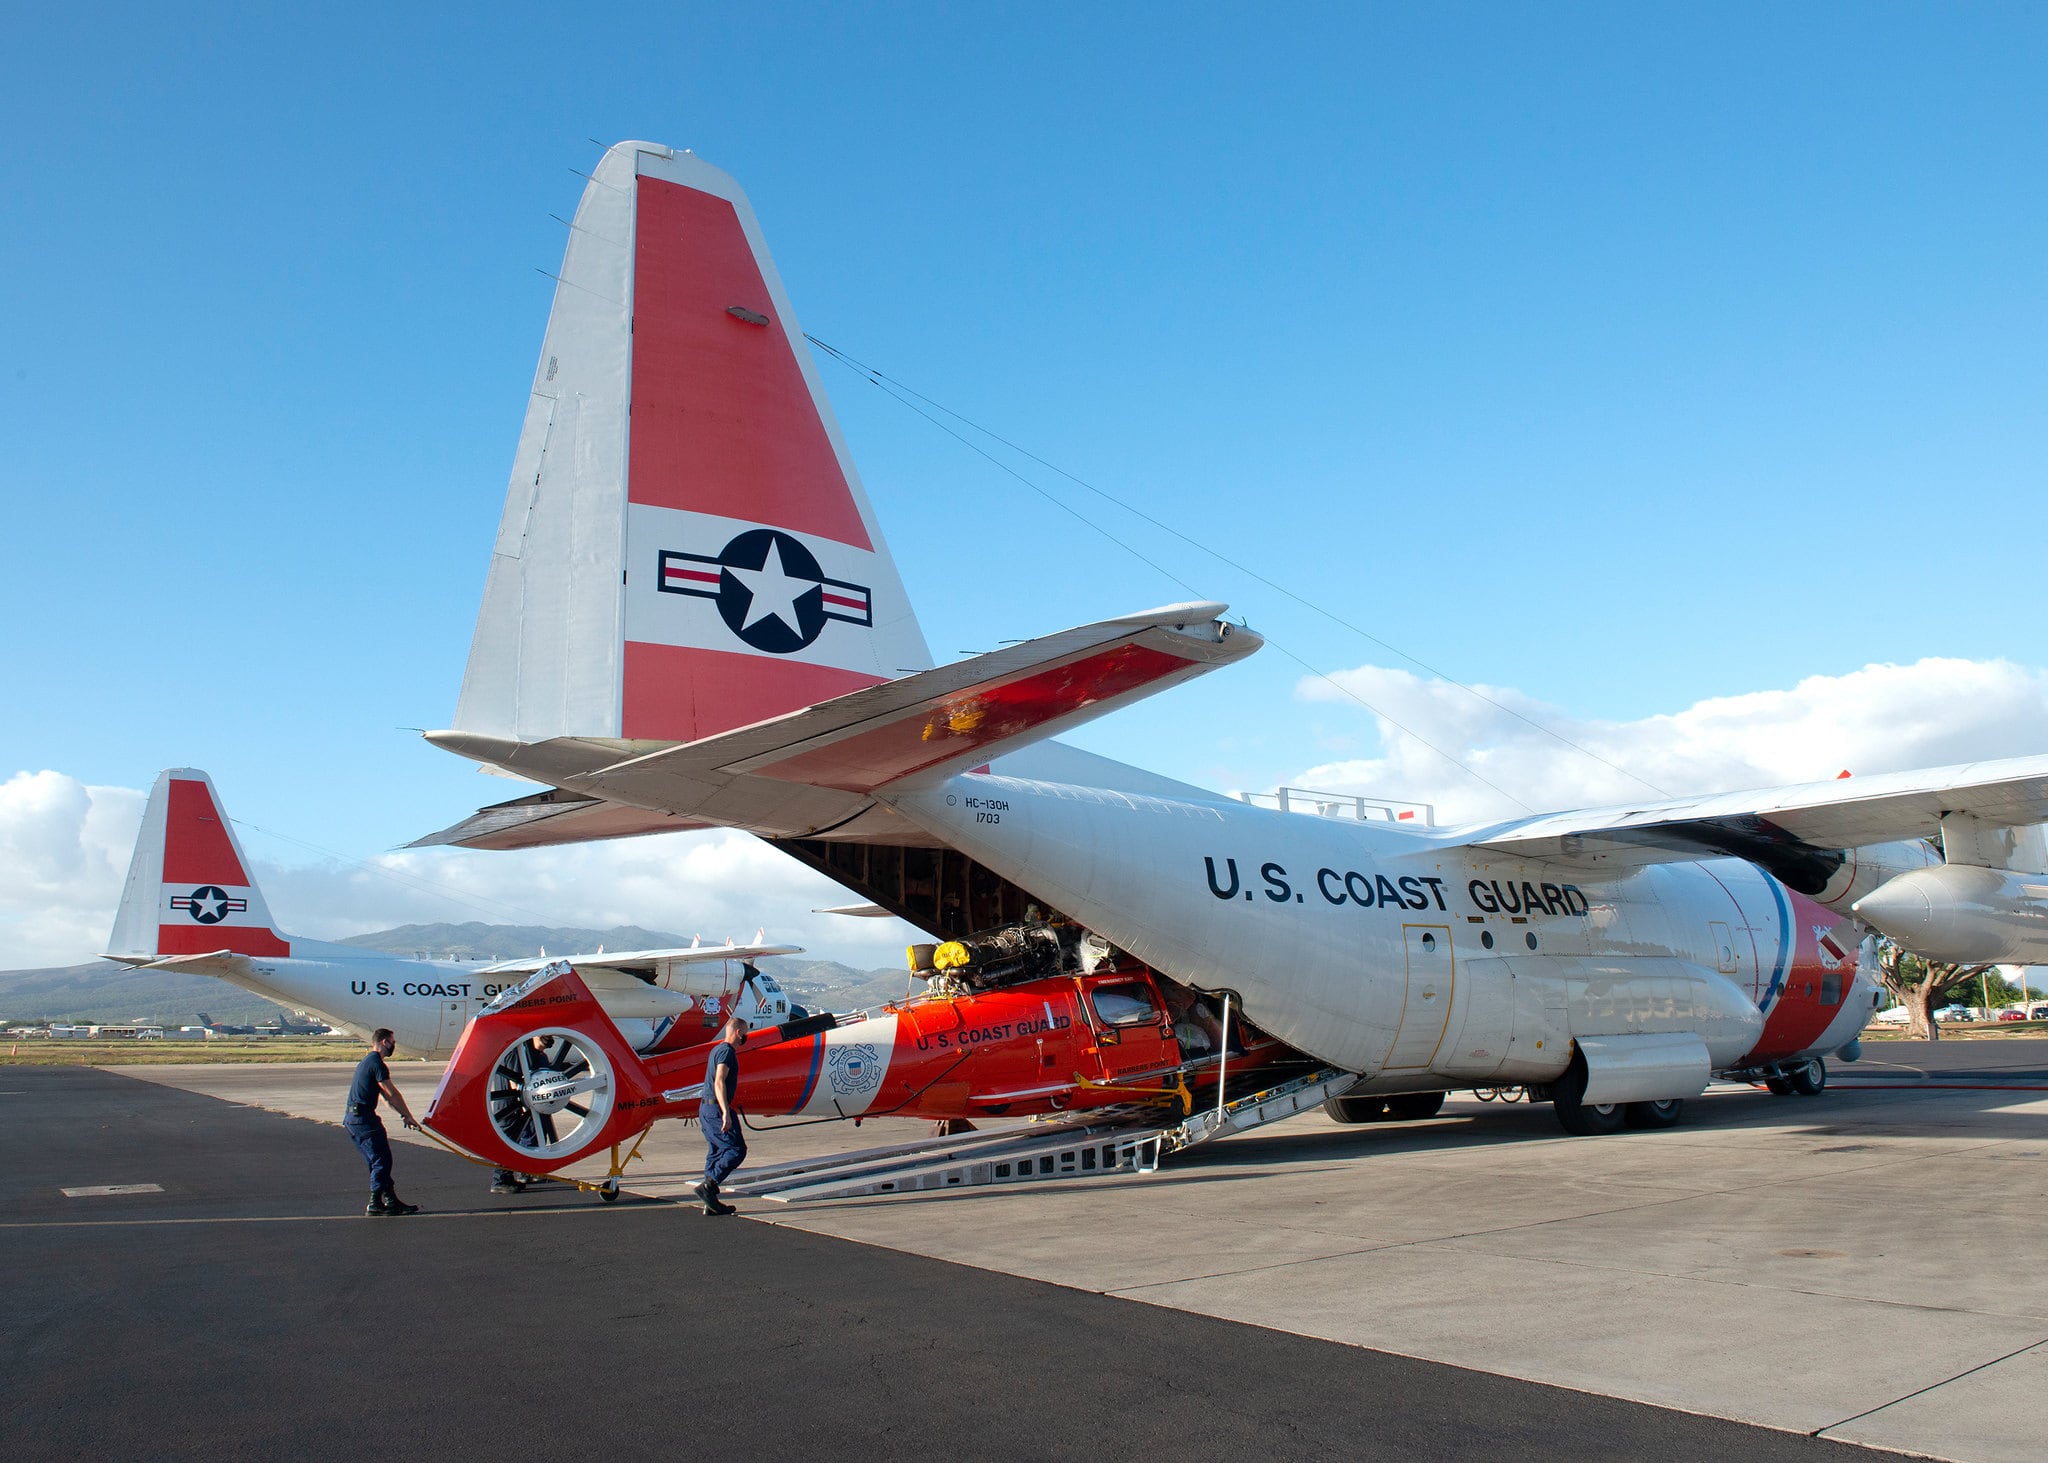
(1133, 1033)
(454, 1015)
(1431, 972)
(1485, 996)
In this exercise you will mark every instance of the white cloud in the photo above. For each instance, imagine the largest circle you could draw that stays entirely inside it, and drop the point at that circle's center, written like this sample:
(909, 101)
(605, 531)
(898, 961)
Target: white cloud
(64, 846)
(64, 850)
(716, 883)
(1882, 718)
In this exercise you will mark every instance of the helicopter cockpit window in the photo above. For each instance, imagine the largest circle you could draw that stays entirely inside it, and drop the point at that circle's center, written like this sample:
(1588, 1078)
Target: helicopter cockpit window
(1124, 1005)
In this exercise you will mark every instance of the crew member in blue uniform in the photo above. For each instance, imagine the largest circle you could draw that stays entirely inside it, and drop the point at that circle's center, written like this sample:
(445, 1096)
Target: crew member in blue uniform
(718, 1114)
(366, 1129)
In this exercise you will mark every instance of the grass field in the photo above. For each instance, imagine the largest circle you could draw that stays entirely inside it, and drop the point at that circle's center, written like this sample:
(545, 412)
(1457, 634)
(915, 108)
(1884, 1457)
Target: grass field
(128, 1052)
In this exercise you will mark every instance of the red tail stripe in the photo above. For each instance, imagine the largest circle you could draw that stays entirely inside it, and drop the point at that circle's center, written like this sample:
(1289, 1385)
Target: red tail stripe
(205, 939)
(723, 421)
(677, 693)
(197, 849)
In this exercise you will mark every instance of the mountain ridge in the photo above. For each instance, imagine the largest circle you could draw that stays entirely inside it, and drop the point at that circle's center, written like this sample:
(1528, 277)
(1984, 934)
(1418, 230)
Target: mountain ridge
(102, 990)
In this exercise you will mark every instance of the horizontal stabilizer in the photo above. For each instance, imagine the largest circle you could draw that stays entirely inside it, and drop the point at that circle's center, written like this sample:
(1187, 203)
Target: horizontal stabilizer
(816, 768)
(225, 963)
(549, 818)
(1778, 827)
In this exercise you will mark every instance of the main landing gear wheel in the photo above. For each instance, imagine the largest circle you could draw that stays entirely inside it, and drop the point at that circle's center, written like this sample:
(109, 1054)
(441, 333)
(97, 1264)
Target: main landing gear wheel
(1411, 1107)
(1355, 1109)
(1808, 1079)
(550, 1094)
(1579, 1117)
(1660, 1114)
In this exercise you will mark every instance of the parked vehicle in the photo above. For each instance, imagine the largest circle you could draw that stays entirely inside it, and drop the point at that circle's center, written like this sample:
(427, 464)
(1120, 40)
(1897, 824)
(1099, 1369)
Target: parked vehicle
(2012, 1015)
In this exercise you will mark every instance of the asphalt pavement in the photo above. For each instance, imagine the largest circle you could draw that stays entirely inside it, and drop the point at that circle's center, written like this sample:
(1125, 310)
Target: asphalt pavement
(248, 1310)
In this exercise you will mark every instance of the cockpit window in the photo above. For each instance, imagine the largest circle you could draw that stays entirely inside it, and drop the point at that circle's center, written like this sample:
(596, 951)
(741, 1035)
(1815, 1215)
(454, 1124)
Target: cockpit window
(1124, 1005)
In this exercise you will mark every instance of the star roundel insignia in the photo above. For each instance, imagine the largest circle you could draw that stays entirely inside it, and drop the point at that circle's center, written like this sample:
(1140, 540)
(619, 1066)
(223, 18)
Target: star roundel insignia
(771, 591)
(209, 904)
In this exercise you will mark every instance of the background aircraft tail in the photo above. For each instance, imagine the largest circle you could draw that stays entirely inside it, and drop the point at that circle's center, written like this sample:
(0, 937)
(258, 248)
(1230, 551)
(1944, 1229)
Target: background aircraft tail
(189, 889)
(686, 547)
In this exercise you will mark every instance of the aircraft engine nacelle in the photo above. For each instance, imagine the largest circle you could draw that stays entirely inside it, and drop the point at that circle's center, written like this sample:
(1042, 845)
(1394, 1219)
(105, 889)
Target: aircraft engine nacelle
(1965, 914)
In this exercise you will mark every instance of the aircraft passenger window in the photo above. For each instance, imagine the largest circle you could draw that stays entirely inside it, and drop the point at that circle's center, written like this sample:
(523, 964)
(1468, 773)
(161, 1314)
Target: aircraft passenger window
(1486, 938)
(1531, 938)
(1124, 1005)
(1428, 941)
(1831, 988)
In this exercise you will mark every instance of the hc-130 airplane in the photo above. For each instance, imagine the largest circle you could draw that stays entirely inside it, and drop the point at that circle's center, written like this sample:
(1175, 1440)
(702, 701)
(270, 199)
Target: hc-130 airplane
(692, 620)
(191, 904)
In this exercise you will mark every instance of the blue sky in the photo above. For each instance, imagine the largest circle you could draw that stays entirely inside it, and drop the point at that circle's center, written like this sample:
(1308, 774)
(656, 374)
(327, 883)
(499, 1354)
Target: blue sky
(1627, 357)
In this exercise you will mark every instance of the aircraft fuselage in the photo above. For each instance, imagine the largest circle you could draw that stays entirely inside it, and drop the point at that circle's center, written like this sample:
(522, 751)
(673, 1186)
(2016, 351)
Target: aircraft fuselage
(1411, 958)
(426, 1003)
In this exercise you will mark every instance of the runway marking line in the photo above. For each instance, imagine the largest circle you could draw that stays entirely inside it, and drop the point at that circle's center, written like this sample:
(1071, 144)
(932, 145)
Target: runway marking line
(308, 1218)
(101, 1191)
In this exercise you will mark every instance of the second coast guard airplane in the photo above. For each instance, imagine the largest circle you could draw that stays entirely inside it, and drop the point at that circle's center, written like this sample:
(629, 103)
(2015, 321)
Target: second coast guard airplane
(692, 619)
(191, 904)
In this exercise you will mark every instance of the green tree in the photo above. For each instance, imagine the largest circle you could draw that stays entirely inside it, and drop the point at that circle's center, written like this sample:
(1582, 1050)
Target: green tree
(1924, 986)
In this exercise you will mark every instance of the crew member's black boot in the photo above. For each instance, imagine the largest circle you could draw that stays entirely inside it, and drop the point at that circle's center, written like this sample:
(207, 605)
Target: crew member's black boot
(395, 1205)
(708, 1192)
(376, 1209)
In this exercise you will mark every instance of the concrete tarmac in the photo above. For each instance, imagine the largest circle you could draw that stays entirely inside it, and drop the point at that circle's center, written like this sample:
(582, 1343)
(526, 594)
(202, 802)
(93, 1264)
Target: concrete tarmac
(239, 1306)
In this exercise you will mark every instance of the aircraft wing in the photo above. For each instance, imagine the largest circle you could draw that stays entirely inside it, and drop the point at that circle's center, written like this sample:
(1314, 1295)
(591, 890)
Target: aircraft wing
(628, 959)
(1784, 826)
(817, 768)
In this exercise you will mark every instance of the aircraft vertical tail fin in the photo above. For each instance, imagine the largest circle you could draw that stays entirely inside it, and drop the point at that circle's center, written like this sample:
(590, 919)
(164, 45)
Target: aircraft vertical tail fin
(189, 889)
(685, 547)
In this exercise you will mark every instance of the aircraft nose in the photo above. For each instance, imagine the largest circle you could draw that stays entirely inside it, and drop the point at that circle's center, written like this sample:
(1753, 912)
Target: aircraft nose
(1900, 908)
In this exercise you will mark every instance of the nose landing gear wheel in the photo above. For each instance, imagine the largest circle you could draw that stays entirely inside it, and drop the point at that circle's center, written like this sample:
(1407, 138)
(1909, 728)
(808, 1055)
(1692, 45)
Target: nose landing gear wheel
(550, 1094)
